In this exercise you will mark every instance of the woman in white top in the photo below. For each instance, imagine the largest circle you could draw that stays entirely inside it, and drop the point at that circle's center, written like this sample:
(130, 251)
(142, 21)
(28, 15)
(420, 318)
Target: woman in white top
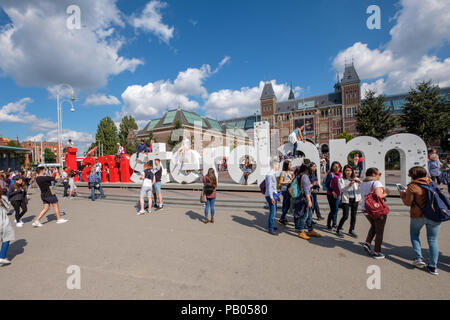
(372, 182)
(350, 198)
(7, 233)
(147, 186)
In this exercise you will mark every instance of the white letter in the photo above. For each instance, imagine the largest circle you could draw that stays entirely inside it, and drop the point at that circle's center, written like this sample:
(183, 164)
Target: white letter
(74, 20)
(73, 281)
(374, 281)
(374, 21)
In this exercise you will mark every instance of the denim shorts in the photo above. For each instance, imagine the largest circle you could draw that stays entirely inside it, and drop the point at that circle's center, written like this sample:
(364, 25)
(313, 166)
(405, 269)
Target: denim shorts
(157, 187)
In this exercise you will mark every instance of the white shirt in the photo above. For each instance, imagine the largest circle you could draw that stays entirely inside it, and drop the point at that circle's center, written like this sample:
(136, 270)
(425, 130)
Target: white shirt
(365, 190)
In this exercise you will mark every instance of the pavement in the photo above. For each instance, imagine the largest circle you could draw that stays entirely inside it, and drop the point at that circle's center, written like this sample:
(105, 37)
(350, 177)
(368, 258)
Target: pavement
(171, 254)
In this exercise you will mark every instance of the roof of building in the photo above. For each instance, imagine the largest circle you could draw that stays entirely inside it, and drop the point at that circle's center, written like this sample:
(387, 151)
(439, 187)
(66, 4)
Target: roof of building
(324, 100)
(244, 123)
(350, 75)
(6, 148)
(268, 91)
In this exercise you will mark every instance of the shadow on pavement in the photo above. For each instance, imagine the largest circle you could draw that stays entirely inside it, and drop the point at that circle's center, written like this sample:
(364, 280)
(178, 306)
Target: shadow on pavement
(16, 248)
(194, 215)
(258, 220)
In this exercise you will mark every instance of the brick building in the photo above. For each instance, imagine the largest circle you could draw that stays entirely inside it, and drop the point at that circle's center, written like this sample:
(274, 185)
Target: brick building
(326, 115)
(37, 149)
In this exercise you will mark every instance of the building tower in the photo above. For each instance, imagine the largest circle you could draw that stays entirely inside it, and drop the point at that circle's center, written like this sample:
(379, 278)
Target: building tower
(268, 102)
(351, 98)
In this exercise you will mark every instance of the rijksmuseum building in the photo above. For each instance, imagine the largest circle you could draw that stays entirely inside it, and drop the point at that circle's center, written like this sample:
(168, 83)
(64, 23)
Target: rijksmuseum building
(326, 116)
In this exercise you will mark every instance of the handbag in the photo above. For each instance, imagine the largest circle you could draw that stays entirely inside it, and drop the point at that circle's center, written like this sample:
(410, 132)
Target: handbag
(203, 197)
(374, 205)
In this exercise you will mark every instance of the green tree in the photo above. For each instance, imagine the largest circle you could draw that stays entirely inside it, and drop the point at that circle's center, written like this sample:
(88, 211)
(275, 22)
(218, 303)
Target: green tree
(426, 113)
(345, 135)
(128, 123)
(374, 118)
(49, 156)
(107, 136)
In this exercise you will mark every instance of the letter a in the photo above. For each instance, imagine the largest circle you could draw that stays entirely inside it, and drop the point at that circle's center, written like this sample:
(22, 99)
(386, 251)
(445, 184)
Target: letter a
(374, 281)
(74, 280)
(374, 21)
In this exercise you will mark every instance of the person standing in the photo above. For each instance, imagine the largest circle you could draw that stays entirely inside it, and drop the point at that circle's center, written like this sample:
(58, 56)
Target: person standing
(416, 198)
(157, 193)
(146, 190)
(209, 189)
(72, 185)
(7, 233)
(18, 198)
(48, 197)
(371, 184)
(65, 182)
(248, 169)
(350, 198)
(271, 191)
(333, 193)
(294, 138)
(445, 175)
(285, 181)
(94, 183)
(120, 152)
(434, 167)
(315, 190)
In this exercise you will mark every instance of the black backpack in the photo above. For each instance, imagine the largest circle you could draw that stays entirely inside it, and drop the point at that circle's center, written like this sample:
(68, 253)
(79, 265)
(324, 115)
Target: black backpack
(208, 188)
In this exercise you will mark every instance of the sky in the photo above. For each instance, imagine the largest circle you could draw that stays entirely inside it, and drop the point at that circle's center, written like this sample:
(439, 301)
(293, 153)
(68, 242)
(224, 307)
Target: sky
(144, 57)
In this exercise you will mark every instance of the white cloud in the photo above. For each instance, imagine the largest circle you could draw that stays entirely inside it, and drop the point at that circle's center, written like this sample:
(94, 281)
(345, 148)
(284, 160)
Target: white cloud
(15, 112)
(193, 22)
(37, 138)
(420, 27)
(237, 103)
(151, 21)
(152, 99)
(37, 48)
(378, 86)
(101, 100)
(81, 140)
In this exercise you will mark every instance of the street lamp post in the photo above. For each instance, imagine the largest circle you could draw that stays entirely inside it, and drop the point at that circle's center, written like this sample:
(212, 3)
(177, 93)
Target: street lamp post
(59, 110)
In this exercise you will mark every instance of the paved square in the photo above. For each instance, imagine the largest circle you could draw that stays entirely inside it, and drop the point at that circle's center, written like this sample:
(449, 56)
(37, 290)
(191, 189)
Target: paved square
(171, 254)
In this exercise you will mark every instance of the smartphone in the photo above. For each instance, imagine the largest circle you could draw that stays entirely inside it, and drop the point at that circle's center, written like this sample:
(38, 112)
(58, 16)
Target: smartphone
(400, 187)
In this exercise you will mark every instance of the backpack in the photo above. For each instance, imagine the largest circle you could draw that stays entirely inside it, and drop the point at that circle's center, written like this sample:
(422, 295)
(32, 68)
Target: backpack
(374, 205)
(262, 187)
(326, 182)
(208, 188)
(437, 208)
(294, 190)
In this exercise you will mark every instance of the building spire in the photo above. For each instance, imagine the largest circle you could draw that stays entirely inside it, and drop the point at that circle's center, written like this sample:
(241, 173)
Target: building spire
(291, 94)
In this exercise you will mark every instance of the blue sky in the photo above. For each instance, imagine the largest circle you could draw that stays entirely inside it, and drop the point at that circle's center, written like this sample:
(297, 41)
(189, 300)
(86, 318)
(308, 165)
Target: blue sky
(141, 57)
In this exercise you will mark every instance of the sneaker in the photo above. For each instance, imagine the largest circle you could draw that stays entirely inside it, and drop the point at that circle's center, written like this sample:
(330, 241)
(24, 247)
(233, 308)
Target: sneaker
(378, 255)
(419, 263)
(61, 221)
(19, 224)
(5, 261)
(283, 221)
(303, 235)
(339, 234)
(273, 233)
(141, 212)
(161, 206)
(329, 227)
(432, 270)
(37, 224)
(212, 220)
(320, 218)
(71, 198)
(149, 211)
(313, 233)
(352, 234)
(367, 248)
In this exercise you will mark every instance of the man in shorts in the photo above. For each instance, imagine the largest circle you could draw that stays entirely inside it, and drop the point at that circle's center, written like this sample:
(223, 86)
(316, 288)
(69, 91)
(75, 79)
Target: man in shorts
(48, 196)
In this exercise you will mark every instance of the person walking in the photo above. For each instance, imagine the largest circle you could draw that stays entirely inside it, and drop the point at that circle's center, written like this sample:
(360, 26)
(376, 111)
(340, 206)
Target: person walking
(157, 171)
(146, 190)
(72, 186)
(7, 233)
(285, 181)
(48, 197)
(416, 197)
(271, 192)
(209, 189)
(315, 190)
(18, 198)
(434, 167)
(372, 184)
(350, 198)
(333, 193)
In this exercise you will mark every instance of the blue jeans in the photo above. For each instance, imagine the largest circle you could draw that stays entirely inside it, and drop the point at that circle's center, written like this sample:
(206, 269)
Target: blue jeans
(272, 213)
(286, 204)
(315, 204)
(5, 247)
(209, 203)
(304, 220)
(294, 153)
(102, 194)
(432, 234)
(334, 208)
